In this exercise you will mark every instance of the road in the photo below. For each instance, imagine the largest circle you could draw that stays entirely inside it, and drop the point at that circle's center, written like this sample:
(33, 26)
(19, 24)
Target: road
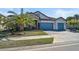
(68, 46)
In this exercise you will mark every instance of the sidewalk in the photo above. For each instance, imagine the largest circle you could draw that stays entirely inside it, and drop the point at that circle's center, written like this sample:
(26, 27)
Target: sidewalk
(30, 37)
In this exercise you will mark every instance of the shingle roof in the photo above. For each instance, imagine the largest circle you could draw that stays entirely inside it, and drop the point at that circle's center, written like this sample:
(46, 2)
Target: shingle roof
(61, 18)
(36, 15)
(53, 19)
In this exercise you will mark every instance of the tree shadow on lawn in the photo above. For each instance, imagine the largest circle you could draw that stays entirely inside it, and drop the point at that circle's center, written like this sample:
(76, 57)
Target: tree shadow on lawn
(4, 36)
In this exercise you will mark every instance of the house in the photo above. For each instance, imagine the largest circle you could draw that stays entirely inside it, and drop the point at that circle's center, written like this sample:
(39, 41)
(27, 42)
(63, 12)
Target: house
(44, 22)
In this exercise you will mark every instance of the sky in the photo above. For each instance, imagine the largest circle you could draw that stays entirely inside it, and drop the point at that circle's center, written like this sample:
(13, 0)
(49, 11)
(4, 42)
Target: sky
(51, 12)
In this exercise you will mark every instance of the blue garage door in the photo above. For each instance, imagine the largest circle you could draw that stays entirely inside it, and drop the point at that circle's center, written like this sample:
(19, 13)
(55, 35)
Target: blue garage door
(60, 26)
(46, 26)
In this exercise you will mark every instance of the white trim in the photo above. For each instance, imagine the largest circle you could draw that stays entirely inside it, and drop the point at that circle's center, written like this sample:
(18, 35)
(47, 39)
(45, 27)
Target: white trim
(46, 21)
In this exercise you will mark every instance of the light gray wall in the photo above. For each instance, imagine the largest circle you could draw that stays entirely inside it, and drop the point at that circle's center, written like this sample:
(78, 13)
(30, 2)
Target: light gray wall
(60, 21)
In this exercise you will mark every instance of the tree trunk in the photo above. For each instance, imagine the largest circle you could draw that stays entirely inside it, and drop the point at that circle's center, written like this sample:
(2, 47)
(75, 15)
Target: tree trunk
(21, 27)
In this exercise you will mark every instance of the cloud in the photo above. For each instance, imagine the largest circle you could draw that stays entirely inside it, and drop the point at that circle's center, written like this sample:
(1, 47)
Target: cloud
(65, 13)
(4, 11)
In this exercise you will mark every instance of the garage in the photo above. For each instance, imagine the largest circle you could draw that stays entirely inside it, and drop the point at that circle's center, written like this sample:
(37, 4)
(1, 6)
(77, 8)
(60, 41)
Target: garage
(60, 26)
(46, 26)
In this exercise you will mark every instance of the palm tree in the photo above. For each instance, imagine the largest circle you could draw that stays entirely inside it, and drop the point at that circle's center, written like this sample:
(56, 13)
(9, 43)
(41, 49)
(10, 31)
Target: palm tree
(22, 19)
(19, 19)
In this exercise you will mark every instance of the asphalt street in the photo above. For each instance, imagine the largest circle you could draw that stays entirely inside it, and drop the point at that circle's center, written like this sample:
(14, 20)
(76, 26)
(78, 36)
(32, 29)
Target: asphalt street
(68, 46)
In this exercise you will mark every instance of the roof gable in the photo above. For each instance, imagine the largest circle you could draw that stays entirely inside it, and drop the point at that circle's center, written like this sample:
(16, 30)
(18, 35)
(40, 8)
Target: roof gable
(41, 15)
(60, 18)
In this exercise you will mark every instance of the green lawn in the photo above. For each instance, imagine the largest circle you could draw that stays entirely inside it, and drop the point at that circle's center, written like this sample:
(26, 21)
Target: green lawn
(30, 33)
(36, 32)
(23, 33)
(18, 43)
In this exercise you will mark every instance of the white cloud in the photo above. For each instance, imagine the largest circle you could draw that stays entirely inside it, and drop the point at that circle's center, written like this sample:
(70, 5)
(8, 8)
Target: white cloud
(65, 13)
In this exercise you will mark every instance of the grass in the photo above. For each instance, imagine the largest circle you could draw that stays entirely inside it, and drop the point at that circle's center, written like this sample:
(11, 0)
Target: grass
(36, 32)
(30, 33)
(23, 33)
(19, 43)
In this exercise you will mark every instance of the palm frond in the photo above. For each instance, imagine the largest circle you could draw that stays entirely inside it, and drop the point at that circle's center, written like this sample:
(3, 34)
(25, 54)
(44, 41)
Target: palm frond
(12, 12)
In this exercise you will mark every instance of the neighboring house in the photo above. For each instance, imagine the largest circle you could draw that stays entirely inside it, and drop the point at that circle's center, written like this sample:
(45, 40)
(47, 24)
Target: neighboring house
(44, 22)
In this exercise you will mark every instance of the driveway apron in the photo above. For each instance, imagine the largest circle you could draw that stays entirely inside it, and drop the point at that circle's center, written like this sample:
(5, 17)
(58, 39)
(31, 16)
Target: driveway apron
(63, 36)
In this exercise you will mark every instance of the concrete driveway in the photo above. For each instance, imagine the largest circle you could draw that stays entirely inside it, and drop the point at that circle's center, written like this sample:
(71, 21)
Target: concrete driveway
(63, 36)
